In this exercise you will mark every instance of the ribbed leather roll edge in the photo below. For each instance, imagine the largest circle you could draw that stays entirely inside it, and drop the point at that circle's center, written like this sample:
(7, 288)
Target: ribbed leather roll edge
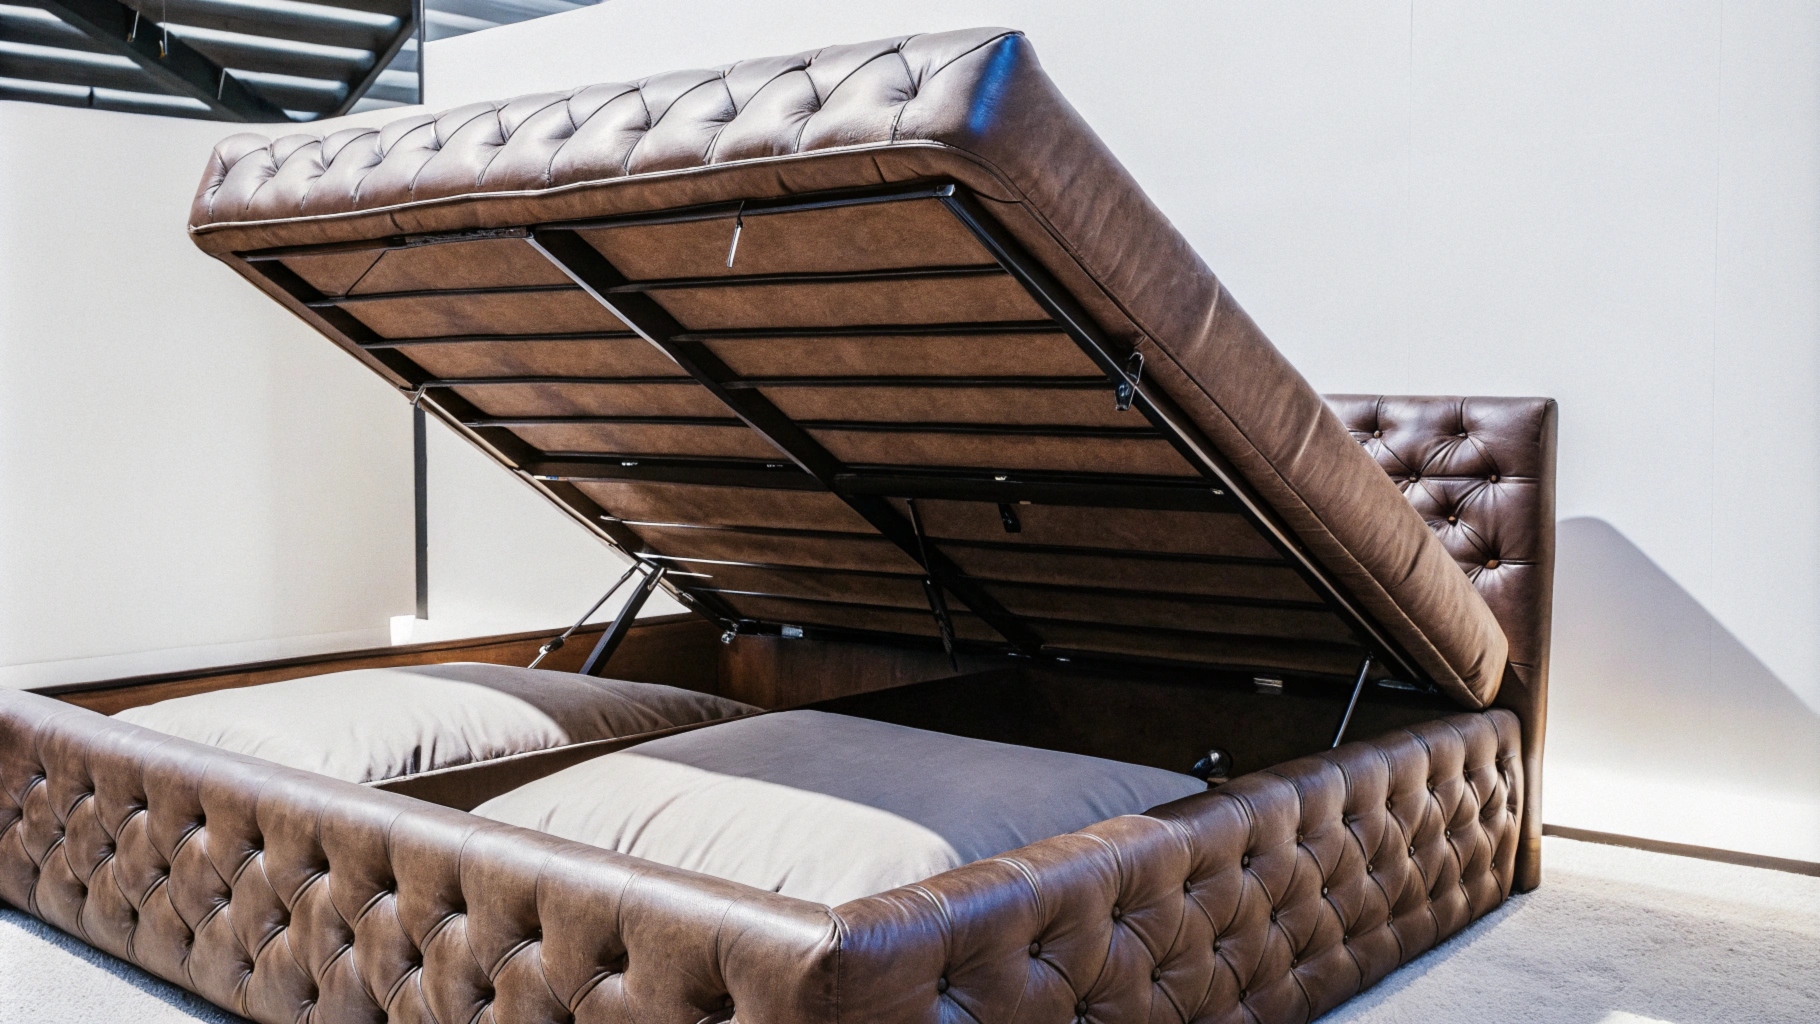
(973, 106)
(286, 897)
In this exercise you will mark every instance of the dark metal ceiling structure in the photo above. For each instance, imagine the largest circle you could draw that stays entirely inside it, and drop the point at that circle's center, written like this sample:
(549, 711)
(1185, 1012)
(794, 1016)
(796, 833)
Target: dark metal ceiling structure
(233, 60)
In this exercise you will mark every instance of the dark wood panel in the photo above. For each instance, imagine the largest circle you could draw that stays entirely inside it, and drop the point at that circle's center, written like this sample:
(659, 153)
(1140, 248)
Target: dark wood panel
(677, 650)
(774, 673)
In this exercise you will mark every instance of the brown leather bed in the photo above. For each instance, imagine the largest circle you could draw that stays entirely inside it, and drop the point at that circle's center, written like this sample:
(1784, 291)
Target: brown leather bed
(877, 360)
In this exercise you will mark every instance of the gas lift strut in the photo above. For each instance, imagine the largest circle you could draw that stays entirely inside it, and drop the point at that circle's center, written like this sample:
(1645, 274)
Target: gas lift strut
(622, 623)
(944, 625)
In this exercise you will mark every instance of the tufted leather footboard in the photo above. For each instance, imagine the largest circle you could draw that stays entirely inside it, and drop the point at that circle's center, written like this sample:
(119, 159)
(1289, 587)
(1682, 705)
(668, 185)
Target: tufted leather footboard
(289, 897)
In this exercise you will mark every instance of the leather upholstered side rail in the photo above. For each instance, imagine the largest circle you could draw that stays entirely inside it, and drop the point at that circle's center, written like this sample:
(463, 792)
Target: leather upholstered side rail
(287, 897)
(1273, 899)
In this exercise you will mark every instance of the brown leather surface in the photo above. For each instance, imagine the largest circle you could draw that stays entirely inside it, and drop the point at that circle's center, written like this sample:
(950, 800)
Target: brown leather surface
(973, 107)
(1481, 471)
(285, 896)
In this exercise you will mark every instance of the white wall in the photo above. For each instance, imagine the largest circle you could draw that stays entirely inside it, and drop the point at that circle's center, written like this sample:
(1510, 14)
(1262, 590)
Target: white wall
(1614, 204)
(503, 559)
(189, 475)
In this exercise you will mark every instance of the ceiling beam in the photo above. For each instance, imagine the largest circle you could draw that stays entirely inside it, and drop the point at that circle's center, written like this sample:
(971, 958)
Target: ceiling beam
(173, 64)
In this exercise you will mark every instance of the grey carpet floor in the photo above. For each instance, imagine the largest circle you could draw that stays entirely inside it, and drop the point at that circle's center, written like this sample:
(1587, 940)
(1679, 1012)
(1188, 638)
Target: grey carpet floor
(1612, 937)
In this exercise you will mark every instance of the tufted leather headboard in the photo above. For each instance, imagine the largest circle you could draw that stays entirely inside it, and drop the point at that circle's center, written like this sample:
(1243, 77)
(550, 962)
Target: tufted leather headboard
(1481, 471)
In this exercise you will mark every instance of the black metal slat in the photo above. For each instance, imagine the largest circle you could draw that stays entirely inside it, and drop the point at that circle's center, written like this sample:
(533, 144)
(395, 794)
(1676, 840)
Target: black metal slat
(471, 339)
(1211, 600)
(681, 283)
(46, 31)
(1015, 383)
(1134, 629)
(832, 426)
(756, 207)
(589, 269)
(961, 328)
(671, 470)
(361, 84)
(443, 383)
(71, 70)
(305, 24)
(175, 65)
(806, 277)
(259, 54)
(440, 293)
(1105, 491)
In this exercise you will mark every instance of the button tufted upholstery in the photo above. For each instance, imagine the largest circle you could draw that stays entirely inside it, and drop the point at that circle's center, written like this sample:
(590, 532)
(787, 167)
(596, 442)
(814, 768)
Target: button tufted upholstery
(972, 108)
(287, 897)
(1481, 471)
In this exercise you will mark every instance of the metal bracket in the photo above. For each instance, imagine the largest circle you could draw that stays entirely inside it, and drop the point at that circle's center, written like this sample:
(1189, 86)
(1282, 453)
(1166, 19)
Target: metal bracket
(1358, 687)
(1126, 391)
(1007, 514)
(622, 623)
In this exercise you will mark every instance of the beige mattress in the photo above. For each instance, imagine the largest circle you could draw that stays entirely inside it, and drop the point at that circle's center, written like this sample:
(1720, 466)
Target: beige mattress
(374, 724)
(827, 807)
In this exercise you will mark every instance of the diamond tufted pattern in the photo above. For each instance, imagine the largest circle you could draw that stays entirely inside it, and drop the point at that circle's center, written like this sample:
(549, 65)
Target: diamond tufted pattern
(823, 99)
(1481, 471)
(286, 897)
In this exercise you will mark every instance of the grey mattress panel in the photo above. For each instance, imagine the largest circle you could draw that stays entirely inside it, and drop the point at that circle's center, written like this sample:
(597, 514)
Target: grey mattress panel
(826, 807)
(382, 723)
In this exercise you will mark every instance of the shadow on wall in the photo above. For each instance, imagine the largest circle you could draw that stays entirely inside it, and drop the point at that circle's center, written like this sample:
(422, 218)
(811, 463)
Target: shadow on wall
(1661, 723)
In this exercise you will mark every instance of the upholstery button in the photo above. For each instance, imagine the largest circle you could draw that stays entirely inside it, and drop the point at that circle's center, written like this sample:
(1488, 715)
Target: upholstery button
(1036, 948)
(1156, 974)
(941, 985)
(1371, 869)
(1448, 833)
(1117, 913)
(1188, 887)
(1453, 519)
(1494, 478)
(1245, 860)
(1377, 433)
(1273, 916)
(1323, 890)
(1412, 850)
(1081, 1007)
(1492, 564)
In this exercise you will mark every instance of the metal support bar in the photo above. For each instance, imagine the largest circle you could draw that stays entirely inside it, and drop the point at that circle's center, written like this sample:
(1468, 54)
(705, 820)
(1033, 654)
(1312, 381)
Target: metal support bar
(588, 268)
(172, 63)
(410, 27)
(622, 623)
(556, 645)
(1358, 687)
(937, 603)
(420, 492)
(808, 277)
(1124, 372)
